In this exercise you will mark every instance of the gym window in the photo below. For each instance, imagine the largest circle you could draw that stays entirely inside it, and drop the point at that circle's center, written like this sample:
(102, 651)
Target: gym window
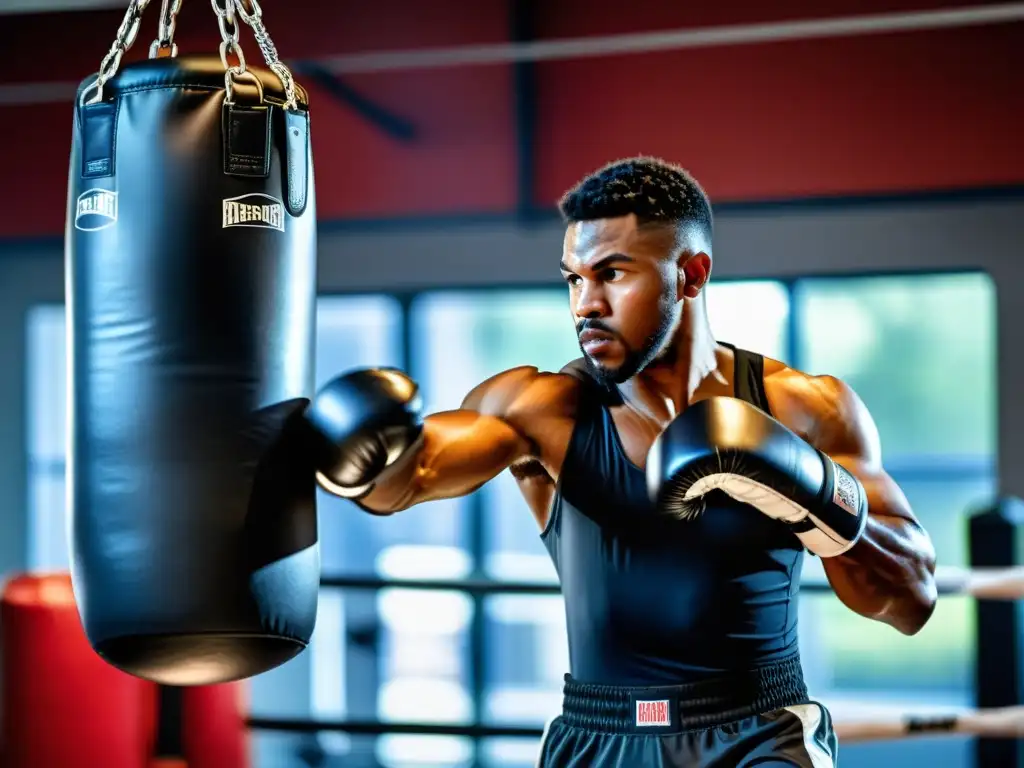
(919, 349)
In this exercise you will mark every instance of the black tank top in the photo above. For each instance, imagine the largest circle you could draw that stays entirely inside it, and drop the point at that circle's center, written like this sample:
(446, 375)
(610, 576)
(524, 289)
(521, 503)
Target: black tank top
(655, 601)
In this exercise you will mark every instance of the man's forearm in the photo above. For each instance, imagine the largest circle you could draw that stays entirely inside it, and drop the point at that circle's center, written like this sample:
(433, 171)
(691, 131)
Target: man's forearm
(458, 451)
(889, 574)
(395, 489)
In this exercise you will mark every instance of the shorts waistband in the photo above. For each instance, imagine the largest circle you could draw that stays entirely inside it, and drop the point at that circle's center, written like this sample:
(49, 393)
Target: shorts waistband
(691, 706)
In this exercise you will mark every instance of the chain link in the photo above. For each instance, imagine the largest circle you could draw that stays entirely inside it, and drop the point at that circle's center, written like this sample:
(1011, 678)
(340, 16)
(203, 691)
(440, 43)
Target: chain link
(228, 25)
(126, 35)
(165, 37)
(226, 11)
(255, 20)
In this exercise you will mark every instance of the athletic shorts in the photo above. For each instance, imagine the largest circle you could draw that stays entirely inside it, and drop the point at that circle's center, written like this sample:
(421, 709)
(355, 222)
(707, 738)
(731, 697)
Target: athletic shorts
(734, 723)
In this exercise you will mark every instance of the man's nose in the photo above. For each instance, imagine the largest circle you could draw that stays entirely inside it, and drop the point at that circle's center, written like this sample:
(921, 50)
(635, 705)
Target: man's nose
(591, 304)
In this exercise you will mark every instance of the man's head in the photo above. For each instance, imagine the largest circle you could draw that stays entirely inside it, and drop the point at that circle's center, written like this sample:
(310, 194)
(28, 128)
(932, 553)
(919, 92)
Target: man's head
(637, 246)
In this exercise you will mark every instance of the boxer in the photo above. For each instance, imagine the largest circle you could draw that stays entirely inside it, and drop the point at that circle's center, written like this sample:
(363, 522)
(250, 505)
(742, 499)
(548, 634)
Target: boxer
(678, 482)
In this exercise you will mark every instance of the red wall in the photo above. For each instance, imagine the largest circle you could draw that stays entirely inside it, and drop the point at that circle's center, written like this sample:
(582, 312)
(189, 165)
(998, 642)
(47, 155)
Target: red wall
(875, 114)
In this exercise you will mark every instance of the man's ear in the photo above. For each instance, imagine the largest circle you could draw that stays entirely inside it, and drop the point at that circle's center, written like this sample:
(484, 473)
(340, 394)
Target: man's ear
(694, 270)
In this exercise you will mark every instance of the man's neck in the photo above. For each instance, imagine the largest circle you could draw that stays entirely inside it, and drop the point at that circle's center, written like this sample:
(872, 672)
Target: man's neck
(667, 386)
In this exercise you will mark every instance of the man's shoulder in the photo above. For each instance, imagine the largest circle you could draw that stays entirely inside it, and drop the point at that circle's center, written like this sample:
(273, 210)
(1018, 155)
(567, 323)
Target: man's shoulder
(813, 392)
(821, 407)
(525, 389)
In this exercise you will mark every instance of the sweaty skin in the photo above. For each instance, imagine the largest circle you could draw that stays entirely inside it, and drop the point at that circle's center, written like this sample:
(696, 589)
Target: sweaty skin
(641, 288)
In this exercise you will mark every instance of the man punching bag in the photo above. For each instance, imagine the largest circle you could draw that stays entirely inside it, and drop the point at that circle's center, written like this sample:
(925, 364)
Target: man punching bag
(191, 264)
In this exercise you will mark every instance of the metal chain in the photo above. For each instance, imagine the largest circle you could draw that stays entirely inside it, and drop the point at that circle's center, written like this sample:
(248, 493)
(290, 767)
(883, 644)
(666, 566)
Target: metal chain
(226, 20)
(228, 35)
(255, 20)
(225, 10)
(126, 35)
(165, 37)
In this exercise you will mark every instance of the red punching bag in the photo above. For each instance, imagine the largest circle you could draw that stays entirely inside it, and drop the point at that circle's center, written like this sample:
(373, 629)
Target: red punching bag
(215, 734)
(62, 705)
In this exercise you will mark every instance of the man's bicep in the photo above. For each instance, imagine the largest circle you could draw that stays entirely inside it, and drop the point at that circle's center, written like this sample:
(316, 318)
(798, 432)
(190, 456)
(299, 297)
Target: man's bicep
(849, 435)
(451, 435)
(843, 424)
(498, 395)
(526, 399)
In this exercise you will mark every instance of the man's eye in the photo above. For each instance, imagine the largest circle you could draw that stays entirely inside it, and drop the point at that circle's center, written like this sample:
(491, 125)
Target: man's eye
(610, 275)
(573, 279)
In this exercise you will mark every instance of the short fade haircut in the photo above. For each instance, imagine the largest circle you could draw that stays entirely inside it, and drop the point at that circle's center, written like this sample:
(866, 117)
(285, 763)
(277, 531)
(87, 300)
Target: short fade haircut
(655, 191)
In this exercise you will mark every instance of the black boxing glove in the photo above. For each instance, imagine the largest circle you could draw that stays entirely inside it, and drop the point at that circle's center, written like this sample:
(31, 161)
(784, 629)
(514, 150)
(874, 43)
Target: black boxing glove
(363, 422)
(731, 445)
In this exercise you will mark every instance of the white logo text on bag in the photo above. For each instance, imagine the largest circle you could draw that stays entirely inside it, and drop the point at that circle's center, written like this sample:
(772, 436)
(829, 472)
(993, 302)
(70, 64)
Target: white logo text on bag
(95, 209)
(254, 210)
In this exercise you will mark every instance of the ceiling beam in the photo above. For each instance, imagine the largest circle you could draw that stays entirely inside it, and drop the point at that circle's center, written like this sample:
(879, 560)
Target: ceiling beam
(56, 6)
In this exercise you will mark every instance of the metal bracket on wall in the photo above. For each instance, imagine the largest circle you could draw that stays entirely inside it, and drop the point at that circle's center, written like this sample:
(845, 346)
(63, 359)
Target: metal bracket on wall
(391, 124)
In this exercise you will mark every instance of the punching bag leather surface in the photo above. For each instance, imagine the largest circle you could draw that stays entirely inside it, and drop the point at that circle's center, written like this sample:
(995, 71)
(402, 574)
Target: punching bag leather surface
(191, 265)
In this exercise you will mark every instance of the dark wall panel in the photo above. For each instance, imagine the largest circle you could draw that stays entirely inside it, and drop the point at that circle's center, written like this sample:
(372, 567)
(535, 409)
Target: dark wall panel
(460, 159)
(893, 113)
(60, 46)
(876, 114)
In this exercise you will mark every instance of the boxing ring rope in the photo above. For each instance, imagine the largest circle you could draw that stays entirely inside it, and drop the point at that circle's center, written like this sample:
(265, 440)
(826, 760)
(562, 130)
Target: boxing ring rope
(609, 45)
(1005, 584)
(981, 583)
(996, 723)
(1004, 722)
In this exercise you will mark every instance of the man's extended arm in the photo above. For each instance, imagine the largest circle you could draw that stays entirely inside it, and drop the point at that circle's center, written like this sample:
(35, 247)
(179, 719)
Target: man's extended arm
(888, 575)
(458, 452)
(454, 453)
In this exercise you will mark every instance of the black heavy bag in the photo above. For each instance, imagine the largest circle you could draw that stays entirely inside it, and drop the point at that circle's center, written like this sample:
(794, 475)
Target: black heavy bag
(191, 261)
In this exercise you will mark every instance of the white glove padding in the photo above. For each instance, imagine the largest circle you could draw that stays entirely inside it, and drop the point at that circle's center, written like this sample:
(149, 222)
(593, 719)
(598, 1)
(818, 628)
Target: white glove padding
(733, 446)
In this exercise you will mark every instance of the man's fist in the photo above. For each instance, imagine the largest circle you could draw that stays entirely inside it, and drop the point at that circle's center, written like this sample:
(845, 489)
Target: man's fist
(363, 422)
(731, 445)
